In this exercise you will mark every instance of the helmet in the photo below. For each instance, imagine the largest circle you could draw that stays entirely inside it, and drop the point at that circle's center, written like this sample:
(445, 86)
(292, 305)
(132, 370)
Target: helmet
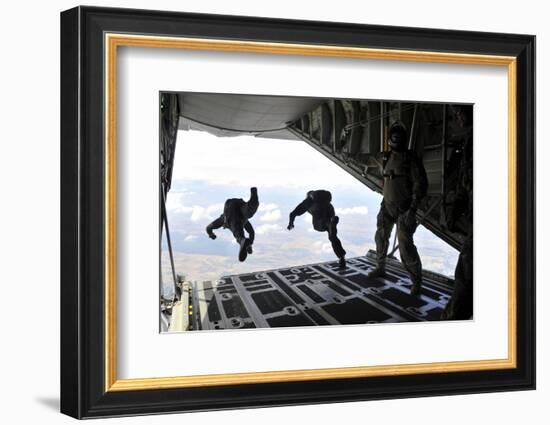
(397, 136)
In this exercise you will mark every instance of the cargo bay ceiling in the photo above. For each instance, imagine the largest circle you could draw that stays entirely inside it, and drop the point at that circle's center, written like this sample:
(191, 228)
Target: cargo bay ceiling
(347, 131)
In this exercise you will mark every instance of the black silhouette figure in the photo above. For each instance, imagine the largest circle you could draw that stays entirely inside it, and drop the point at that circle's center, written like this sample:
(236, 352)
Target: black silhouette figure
(318, 204)
(235, 217)
(461, 304)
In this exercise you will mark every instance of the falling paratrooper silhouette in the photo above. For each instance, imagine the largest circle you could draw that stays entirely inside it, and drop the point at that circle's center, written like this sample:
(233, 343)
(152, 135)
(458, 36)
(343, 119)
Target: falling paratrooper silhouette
(235, 217)
(324, 219)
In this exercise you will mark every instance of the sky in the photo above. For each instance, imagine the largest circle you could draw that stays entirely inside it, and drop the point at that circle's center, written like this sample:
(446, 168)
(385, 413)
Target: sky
(209, 169)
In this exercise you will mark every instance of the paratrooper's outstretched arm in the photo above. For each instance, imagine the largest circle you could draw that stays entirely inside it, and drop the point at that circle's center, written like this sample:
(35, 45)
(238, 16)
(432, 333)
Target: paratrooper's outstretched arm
(253, 202)
(216, 224)
(298, 211)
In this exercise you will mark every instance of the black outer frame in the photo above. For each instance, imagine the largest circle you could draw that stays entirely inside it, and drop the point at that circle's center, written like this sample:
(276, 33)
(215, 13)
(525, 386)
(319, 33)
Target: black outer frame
(82, 212)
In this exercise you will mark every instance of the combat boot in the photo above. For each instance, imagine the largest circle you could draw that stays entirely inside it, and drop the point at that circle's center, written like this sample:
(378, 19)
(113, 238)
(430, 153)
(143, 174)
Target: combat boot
(342, 262)
(379, 271)
(416, 287)
(243, 251)
(448, 313)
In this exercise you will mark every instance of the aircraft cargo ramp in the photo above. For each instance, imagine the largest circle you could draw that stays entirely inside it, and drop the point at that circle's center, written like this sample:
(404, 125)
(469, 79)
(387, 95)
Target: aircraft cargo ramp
(316, 294)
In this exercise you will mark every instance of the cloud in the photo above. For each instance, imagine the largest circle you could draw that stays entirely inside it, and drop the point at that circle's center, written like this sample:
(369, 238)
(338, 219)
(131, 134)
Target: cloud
(325, 247)
(268, 228)
(174, 201)
(273, 215)
(359, 210)
(190, 238)
(196, 213)
(267, 207)
(357, 250)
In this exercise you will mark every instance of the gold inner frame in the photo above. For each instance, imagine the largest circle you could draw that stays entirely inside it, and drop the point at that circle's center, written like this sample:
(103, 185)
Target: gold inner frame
(113, 41)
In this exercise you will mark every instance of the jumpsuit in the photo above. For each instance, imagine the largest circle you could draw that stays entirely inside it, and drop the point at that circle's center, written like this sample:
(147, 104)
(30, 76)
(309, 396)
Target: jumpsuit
(236, 213)
(404, 180)
(318, 204)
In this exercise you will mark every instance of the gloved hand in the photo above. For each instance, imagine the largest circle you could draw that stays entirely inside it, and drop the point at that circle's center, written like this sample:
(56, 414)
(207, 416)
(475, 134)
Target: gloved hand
(290, 225)
(211, 235)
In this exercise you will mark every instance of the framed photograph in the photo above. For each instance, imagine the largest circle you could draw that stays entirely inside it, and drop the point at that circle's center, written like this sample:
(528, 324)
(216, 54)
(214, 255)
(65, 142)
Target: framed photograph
(261, 212)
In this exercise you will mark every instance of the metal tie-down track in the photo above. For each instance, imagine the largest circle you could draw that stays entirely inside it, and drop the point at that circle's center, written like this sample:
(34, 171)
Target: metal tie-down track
(317, 294)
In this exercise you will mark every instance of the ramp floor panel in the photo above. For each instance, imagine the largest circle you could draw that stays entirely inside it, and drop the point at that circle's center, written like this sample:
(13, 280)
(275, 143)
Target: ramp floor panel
(317, 294)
